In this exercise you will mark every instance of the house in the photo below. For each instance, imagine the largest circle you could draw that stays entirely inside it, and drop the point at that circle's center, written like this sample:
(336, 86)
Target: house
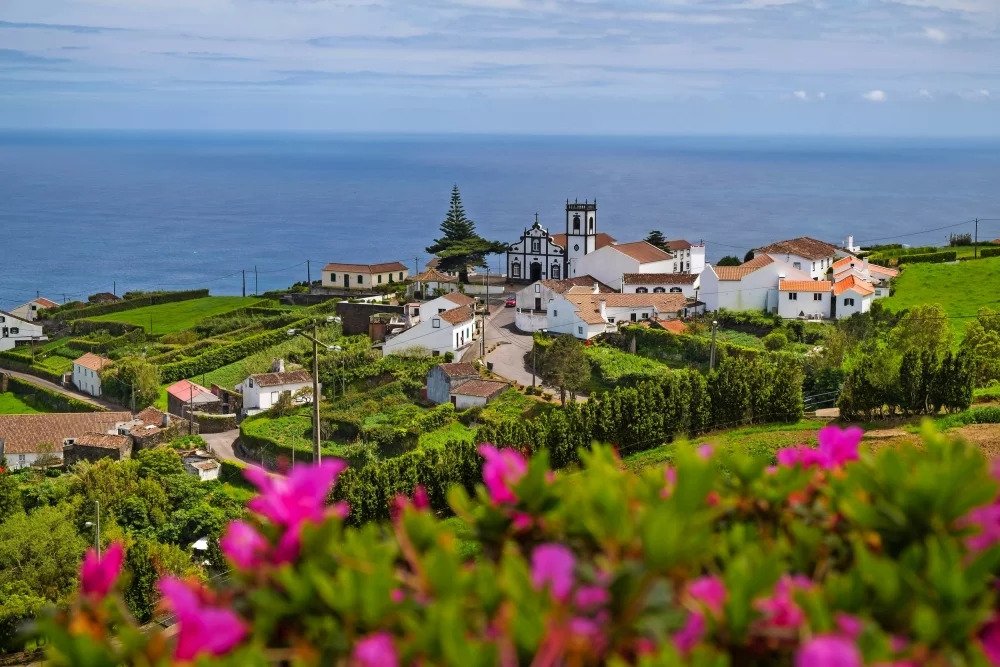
(878, 276)
(808, 299)
(443, 303)
(201, 465)
(184, 395)
(14, 330)
(804, 253)
(473, 393)
(363, 277)
(537, 255)
(87, 373)
(752, 285)
(532, 301)
(582, 313)
(610, 263)
(438, 333)
(261, 391)
(96, 446)
(152, 427)
(658, 283)
(851, 295)
(29, 311)
(431, 282)
(673, 326)
(441, 379)
(29, 439)
(688, 257)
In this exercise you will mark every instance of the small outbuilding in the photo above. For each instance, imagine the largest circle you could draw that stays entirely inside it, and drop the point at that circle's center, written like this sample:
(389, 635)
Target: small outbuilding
(473, 393)
(441, 379)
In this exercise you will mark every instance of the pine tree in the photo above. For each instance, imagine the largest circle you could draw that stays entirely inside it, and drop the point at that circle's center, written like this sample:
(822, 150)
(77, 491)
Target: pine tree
(456, 225)
(460, 247)
(656, 238)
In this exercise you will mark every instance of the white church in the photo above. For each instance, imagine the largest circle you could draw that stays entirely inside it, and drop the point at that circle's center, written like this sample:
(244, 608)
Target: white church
(584, 251)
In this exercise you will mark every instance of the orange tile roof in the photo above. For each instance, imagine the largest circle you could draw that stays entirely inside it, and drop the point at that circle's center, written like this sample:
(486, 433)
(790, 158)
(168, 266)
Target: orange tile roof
(643, 252)
(854, 284)
(103, 440)
(458, 315)
(588, 306)
(843, 262)
(432, 275)
(460, 299)
(94, 362)
(804, 285)
(599, 242)
(458, 369)
(679, 244)
(563, 286)
(31, 434)
(673, 326)
(480, 388)
(45, 303)
(743, 270)
(803, 246)
(185, 390)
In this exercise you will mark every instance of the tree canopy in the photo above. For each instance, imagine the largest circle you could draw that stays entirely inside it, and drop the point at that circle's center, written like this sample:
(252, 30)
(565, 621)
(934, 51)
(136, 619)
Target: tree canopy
(132, 374)
(564, 365)
(460, 247)
(657, 238)
(729, 260)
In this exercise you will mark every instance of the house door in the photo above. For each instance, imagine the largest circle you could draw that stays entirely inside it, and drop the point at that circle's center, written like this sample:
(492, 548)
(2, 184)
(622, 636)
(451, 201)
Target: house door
(454, 401)
(536, 271)
(833, 307)
(538, 303)
(347, 281)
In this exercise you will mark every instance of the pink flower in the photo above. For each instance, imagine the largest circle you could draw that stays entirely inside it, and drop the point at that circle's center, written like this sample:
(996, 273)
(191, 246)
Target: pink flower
(523, 521)
(397, 595)
(421, 501)
(780, 610)
(670, 481)
(400, 502)
(828, 651)
(589, 598)
(710, 591)
(375, 650)
(203, 629)
(98, 576)
(502, 470)
(706, 451)
(691, 633)
(836, 447)
(989, 638)
(849, 626)
(553, 564)
(987, 519)
(301, 496)
(243, 545)
(589, 629)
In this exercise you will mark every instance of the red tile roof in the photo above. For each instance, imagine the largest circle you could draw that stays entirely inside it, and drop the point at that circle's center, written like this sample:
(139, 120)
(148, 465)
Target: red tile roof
(94, 362)
(600, 241)
(458, 370)
(33, 434)
(660, 278)
(679, 244)
(804, 285)
(185, 390)
(45, 303)
(643, 252)
(563, 286)
(588, 306)
(460, 299)
(854, 284)
(286, 377)
(744, 269)
(803, 246)
(480, 388)
(384, 267)
(459, 315)
(103, 440)
(673, 326)
(434, 276)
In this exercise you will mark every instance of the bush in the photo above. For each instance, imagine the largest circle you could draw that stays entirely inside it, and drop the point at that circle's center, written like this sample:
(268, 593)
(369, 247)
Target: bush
(51, 401)
(776, 340)
(929, 258)
(989, 252)
(717, 561)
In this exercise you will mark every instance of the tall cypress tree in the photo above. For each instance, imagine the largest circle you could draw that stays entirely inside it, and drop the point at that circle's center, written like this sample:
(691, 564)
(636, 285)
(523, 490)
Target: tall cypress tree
(460, 247)
(456, 225)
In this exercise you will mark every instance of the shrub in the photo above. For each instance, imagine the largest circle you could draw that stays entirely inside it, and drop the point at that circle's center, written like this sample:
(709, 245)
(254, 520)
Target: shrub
(686, 565)
(929, 258)
(776, 340)
(989, 252)
(50, 400)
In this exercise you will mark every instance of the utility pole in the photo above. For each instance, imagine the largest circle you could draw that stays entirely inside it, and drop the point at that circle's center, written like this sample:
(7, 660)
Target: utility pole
(114, 287)
(485, 314)
(711, 356)
(244, 283)
(190, 408)
(975, 242)
(317, 455)
(309, 280)
(255, 280)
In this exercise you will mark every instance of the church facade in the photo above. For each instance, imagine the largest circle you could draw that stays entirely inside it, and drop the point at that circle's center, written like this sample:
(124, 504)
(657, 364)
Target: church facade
(541, 256)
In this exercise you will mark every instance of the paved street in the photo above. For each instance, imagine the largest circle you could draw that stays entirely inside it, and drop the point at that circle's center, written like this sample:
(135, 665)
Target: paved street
(508, 356)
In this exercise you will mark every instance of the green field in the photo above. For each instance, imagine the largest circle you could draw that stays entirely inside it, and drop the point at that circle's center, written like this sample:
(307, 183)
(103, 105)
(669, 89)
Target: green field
(11, 404)
(179, 315)
(962, 289)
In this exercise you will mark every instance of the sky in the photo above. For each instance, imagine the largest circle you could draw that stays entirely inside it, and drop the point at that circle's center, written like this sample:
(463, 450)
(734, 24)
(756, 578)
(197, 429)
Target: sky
(729, 67)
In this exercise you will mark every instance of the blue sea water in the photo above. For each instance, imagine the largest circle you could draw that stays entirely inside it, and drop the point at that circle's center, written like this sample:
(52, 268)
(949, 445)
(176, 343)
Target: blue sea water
(79, 211)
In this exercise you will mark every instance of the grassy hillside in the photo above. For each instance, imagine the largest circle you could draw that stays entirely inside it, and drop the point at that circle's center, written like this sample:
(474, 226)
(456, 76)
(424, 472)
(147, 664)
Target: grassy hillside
(177, 316)
(11, 404)
(962, 289)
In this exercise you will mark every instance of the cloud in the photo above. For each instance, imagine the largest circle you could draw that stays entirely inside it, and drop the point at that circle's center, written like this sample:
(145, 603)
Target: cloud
(875, 96)
(21, 58)
(206, 55)
(81, 29)
(821, 95)
(925, 94)
(800, 95)
(936, 35)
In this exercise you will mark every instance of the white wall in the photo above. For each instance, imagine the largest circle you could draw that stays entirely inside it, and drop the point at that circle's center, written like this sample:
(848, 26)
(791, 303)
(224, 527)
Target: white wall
(368, 280)
(563, 319)
(530, 321)
(697, 259)
(15, 329)
(756, 291)
(862, 304)
(425, 335)
(651, 287)
(86, 380)
(608, 266)
(18, 461)
(465, 402)
(263, 398)
(805, 303)
(814, 268)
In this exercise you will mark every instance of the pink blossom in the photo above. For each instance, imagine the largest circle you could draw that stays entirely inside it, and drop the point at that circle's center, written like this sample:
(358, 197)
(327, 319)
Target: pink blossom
(589, 629)
(553, 564)
(706, 451)
(522, 521)
(828, 651)
(691, 633)
(987, 519)
(397, 595)
(375, 650)
(301, 496)
(849, 626)
(780, 610)
(202, 628)
(502, 470)
(421, 500)
(670, 479)
(989, 638)
(837, 446)
(589, 598)
(243, 545)
(98, 575)
(710, 591)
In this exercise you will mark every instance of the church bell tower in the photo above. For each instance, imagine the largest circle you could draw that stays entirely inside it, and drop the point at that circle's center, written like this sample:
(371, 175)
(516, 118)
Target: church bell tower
(581, 233)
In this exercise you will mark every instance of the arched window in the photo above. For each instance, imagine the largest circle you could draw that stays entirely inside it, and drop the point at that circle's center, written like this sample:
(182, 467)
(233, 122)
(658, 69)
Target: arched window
(576, 222)
(591, 223)
(554, 273)
(515, 270)
(676, 290)
(641, 290)
(658, 290)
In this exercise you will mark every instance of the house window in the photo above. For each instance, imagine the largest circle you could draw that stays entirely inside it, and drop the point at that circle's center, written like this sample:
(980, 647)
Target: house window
(633, 317)
(641, 290)
(676, 290)
(250, 383)
(579, 330)
(814, 266)
(360, 278)
(797, 265)
(333, 277)
(536, 245)
(818, 296)
(515, 269)
(380, 279)
(688, 266)
(400, 275)
(14, 331)
(658, 290)
(793, 296)
(555, 313)
(555, 272)
(645, 316)
(390, 277)
(611, 320)
(436, 323)
(675, 267)
(848, 302)
(538, 288)
(20, 459)
(576, 222)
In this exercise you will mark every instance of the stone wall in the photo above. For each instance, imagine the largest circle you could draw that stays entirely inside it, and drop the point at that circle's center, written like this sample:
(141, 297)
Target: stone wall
(355, 316)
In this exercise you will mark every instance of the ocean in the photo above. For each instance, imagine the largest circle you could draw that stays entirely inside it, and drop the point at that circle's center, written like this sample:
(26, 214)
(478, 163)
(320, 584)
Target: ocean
(82, 212)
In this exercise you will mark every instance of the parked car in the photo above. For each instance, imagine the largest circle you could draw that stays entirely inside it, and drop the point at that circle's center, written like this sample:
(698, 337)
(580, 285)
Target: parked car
(510, 302)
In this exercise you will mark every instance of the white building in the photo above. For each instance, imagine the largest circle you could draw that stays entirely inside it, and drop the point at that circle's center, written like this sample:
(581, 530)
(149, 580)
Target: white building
(432, 282)
(362, 276)
(474, 393)
(583, 313)
(29, 311)
(441, 379)
(610, 263)
(688, 257)
(805, 254)
(87, 373)
(532, 301)
(202, 466)
(878, 276)
(14, 330)
(851, 295)
(752, 285)
(437, 333)
(805, 299)
(262, 391)
(659, 283)
(538, 255)
(445, 303)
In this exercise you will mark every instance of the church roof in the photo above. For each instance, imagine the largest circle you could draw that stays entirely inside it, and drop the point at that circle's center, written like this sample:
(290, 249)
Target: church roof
(642, 252)
(602, 240)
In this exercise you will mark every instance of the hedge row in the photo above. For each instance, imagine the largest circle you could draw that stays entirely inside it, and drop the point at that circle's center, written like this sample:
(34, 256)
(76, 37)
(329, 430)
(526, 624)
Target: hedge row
(684, 348)
(212, 423)
(129, 304)
(132, 337)
(52, 401)
(929, 257)
(989, 252)
(22, 367)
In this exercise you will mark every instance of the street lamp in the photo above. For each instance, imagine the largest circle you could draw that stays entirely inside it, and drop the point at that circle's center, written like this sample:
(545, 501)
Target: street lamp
(97, 530)
(317, 455)
(711, 356)
(534, 347)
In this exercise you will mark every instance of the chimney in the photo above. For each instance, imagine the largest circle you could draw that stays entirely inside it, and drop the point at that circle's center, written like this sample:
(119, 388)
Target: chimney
(278, 366)
(596, 288)
(165, 422)
(864, 265)
(603, 308)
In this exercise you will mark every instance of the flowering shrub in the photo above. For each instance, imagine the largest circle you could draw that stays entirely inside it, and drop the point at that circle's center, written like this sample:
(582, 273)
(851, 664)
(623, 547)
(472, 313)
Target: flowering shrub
(836, 556)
